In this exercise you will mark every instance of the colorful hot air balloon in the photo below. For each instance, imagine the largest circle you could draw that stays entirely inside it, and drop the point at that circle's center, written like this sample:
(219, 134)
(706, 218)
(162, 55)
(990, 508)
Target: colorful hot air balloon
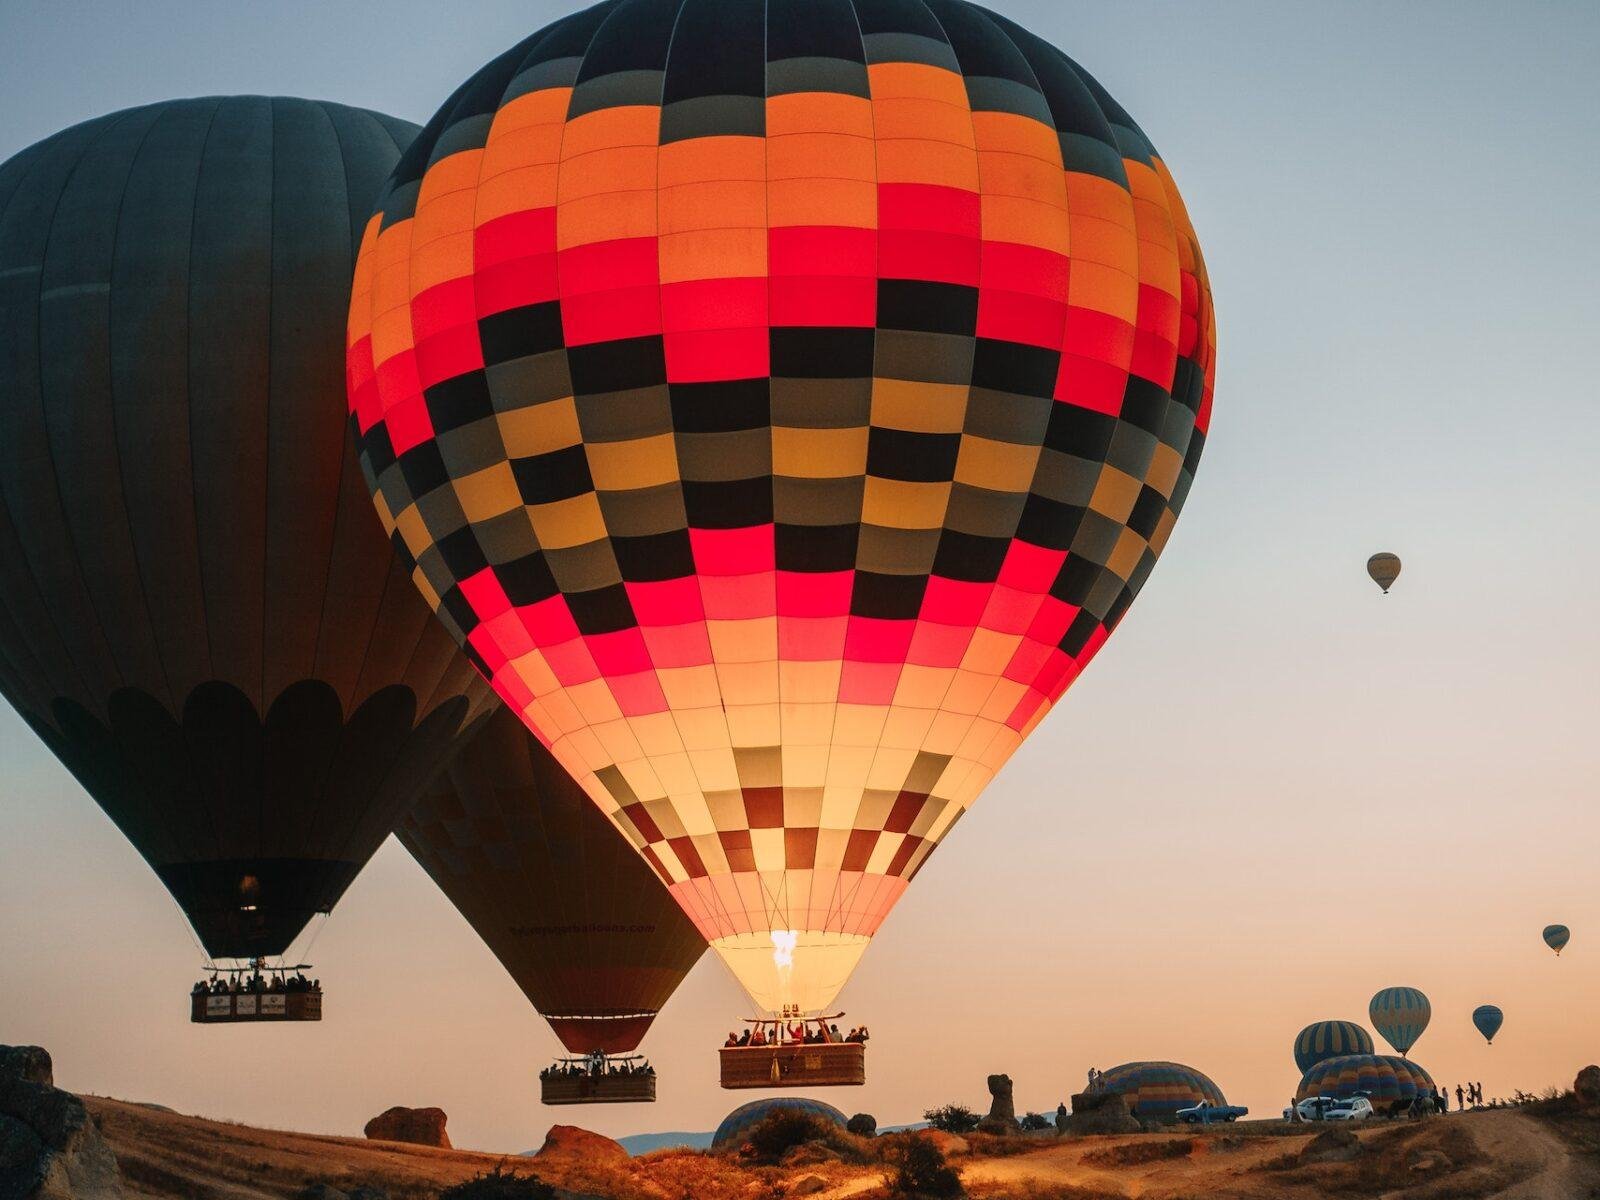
(1556, 937)
(1382, 1078)
(1329, 1039)
(1488, 1019)
(1156, 1090)
(1400, 1014)
(198, 614)
(1384, 569)
(782, 401)
(736, 1127)
(568, 907)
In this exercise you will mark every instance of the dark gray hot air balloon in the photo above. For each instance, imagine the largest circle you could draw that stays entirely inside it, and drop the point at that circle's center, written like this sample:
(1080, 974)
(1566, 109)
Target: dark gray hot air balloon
(199, 612)
(1384, 569)
(1487, 1019)
(576, 917)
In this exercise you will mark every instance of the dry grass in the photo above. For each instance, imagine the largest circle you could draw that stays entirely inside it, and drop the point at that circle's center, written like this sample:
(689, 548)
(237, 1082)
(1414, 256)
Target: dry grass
(172, 1157)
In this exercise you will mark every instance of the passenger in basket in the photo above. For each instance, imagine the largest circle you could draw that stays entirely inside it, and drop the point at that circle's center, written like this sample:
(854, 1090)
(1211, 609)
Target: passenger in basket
(733, 1039)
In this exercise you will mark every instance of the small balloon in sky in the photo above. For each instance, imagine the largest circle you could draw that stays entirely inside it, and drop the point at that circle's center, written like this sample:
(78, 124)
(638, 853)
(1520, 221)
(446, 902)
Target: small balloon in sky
(1488, 1020)
(1556, 937)
(1384, 569)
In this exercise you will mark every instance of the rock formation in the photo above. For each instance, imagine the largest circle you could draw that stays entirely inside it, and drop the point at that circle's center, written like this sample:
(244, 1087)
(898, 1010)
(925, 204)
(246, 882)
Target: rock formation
(863, 1125)
(29, 1063)
(568, 1141)
(1586, 1087)
(50, 1149)
(418, 1126)
(1002, 1118)
(1101, 1112)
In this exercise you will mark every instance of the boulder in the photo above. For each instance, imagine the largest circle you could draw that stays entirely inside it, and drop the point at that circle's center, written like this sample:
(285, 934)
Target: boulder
(1101, 1112)
(1586, 1087)
(1002, 1118)
(862, 1125)
(808, 1185)
(418, 1126)
(570, 1142)
(31, 1063)
(1332, 1145)
(50, 1148)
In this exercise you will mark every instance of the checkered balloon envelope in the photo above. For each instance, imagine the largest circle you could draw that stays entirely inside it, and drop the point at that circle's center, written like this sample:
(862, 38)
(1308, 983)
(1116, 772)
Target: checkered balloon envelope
(781, 402)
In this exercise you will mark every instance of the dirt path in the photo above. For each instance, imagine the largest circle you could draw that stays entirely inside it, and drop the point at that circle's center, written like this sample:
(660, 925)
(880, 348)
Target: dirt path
(1547, 1168)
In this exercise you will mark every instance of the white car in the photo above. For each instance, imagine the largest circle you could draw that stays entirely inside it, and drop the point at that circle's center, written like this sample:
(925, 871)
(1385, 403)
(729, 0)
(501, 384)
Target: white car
(1312, 1108)
(1357, 1109)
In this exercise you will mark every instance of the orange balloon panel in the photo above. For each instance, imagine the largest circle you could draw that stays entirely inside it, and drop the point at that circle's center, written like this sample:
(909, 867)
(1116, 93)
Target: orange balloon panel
(782, 401)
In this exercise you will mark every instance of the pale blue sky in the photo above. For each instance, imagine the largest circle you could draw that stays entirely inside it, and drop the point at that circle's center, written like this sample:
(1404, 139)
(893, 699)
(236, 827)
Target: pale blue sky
(1273, 793)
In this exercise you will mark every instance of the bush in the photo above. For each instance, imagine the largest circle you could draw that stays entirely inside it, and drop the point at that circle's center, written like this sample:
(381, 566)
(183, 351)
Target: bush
(920, 1170)
(952, 1118)
(862, 1125)
(1033, 1120)
(786, 1129)
(500, 1184)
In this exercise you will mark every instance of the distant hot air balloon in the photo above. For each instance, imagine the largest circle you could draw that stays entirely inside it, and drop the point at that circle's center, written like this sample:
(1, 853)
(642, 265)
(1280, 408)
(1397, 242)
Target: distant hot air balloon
(1400, 1014)
(1329, 1039)
(1384, 569)
(565, 903)
(198, 614)
(1556, 937)
(782, 402)
(1488, 1019)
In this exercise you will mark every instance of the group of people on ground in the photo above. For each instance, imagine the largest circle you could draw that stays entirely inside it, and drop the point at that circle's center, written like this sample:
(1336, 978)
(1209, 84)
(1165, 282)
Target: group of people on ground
(595, 1065)
(797, 1033)
(255, 985)
(1473, 1093)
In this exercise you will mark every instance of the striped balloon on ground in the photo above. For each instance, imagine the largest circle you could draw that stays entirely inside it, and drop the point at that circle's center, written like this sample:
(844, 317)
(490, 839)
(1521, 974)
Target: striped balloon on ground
(782, 401)
(1400, 1014)
(1157, 1090)
(1329, 1039)
(738, 1124)
(1382, 1078)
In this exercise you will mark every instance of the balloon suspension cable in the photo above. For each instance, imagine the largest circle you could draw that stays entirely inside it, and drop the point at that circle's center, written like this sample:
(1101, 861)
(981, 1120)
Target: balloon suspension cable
(183, 919)
(321, 923)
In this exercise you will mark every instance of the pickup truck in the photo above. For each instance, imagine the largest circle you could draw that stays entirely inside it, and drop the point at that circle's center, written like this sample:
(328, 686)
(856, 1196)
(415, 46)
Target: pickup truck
(1210, 1114)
